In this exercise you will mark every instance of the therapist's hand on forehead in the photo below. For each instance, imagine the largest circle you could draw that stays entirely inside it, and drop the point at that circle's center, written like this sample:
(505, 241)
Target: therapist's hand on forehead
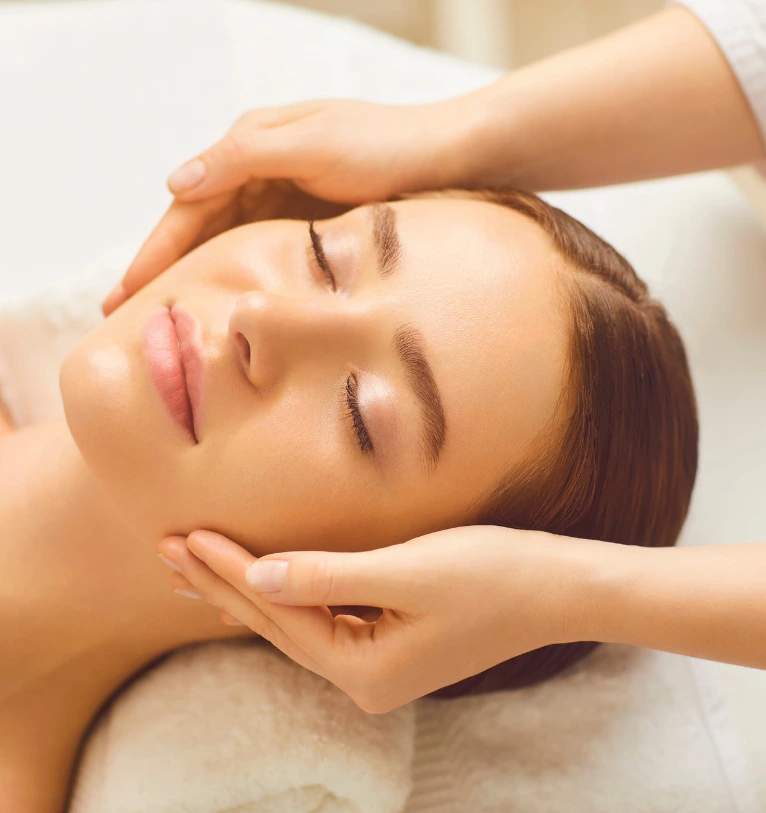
(306, 160)
(656, 98)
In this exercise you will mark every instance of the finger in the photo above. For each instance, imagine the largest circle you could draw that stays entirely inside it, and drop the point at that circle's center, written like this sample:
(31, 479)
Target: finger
(182, 228)
(230, 561)
(183, 586)
(247, 151)
(195, 576)
(385, 578)
(340, 647)
(356, 655)
(229, 619)
(179, 230)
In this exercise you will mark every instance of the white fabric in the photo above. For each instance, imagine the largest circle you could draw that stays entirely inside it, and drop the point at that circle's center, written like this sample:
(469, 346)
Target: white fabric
(237, 726)
(105, 99)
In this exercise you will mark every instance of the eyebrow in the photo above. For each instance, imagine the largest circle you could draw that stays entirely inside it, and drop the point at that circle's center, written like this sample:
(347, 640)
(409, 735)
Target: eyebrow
(408, 344)
(386, 238)
(408, 341)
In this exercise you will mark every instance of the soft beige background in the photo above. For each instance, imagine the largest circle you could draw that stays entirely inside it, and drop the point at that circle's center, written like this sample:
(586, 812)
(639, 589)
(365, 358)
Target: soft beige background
(505, 33)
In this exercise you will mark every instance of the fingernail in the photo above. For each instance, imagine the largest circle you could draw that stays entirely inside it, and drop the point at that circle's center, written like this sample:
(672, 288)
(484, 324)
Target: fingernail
(267, 577)
(186, 177)
(114, 298)
(169, 563)
(188, 593)
(235, 622)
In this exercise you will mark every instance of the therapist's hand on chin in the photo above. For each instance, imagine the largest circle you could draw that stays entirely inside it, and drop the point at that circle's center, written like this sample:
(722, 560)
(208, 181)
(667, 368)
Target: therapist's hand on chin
(453, 603)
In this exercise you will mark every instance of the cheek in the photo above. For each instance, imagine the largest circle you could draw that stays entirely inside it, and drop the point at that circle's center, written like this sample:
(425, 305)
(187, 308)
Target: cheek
(275, 483)
(105, 404)
(284, 476)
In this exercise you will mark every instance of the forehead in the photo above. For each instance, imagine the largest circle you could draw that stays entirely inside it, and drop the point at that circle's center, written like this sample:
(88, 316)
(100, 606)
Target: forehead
(482, 283)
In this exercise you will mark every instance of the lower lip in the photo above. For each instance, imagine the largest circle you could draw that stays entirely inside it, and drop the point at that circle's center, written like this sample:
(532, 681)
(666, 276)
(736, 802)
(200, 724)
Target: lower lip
(163, 359)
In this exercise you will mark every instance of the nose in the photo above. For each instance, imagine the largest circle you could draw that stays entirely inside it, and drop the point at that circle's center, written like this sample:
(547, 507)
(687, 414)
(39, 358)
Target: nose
(273, 334)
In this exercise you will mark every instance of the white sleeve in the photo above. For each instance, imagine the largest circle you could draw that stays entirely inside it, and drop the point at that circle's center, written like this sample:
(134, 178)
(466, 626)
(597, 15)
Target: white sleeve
(739, 29)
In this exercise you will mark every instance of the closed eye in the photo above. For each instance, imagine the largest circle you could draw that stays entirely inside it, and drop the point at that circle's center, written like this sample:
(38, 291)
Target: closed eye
(354, 413)
(319, 256)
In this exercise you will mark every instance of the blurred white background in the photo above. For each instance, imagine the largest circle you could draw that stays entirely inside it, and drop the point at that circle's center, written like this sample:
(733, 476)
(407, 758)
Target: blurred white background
(501, 33)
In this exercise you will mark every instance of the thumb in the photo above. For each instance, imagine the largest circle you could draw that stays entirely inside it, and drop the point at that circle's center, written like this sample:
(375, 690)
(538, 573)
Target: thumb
(238, 157)
(382, 578)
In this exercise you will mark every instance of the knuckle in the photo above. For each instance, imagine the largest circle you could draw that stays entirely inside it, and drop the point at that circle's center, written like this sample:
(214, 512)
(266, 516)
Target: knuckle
(324, 581)
(216, 543)
(166, 239)
(247, 119)
(267, 629)
(235, 145)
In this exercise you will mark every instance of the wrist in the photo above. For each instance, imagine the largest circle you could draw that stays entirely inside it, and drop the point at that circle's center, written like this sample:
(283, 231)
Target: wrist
(595, 585)
(487, 143)
(461, 129)
(611, 578)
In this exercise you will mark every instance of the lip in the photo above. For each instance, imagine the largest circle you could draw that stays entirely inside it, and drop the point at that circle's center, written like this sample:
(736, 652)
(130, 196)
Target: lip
(173, 354)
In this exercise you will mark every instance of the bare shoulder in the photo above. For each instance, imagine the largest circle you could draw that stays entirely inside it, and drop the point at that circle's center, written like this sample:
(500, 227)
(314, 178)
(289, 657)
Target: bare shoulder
(6, 424)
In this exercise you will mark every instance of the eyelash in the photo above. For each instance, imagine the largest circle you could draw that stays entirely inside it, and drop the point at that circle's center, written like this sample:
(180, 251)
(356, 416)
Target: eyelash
(352, 404)
(319, 255)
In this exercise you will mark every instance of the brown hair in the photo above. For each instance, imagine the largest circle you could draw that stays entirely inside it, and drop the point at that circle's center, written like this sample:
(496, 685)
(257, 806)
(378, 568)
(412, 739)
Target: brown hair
(624, 469)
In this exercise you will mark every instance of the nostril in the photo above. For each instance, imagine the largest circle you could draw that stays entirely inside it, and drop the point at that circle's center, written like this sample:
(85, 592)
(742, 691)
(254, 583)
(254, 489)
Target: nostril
(244, 348)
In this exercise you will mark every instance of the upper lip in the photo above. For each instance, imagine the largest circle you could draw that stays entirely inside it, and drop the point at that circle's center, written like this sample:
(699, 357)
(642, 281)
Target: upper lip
(192, 360)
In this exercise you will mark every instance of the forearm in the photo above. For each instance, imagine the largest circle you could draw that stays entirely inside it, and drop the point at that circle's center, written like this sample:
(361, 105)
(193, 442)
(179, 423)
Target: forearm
(653, 99)
(707, 601)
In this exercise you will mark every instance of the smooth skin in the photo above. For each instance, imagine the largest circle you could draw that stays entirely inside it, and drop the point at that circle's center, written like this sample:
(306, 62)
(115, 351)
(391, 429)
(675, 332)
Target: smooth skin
(461, 600)
(279, 463)
(84, 502)
(653, 99)
(6, 424)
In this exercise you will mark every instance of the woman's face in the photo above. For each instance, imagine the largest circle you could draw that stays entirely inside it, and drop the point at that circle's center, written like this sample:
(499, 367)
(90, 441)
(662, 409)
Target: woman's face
(338, 415)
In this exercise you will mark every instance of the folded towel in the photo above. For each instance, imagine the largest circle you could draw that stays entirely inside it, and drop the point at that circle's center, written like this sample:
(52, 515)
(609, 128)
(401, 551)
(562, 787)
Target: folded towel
(236, 726)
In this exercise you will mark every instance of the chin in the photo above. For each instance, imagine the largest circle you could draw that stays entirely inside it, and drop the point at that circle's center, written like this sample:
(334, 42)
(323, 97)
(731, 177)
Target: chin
(101, 391)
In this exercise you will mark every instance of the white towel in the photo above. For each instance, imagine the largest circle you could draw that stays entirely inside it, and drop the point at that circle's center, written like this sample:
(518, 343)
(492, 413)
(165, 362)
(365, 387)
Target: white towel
(237, 726)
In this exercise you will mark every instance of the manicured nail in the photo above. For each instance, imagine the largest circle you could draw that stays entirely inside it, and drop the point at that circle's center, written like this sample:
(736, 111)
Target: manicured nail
(267, 577)
(188, 593)
(169, 563)
(114, 298)
(186, 177)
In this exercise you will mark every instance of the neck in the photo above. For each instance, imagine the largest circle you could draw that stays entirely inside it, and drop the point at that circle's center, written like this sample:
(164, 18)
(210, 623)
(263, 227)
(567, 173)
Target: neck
(76, 569)
(84, 604)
